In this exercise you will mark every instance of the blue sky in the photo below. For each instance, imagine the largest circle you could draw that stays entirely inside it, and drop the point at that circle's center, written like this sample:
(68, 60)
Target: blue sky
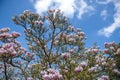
(99, 19)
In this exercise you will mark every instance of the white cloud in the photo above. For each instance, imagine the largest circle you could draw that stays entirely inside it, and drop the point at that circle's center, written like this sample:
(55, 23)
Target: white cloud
(69, 7)
(103, 1)
(42, 5)
(104, 14)
(107, 31)
(82, 8)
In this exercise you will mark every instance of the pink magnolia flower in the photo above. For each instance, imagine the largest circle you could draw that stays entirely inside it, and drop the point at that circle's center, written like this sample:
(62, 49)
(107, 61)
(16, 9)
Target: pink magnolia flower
(109, 44)
(56, 76)
(15, 34)
(72, 50)
(64, 35)
(29, 54)
(78, 69)
(81, 33)
(106, 51)
(5, 35)
(72, 40)
(88, 51)
(71, 28)
(30, 78)
(58, 11)
(118, 51)
(105, 77)
(76, 36)
(9, 49)
(41, 22)
(104, 64)
(43, 72)
(7, 45)
(78, 29)
(113, 43)
(116, 71)
(65, 55)
(2, 51)
(95, 50)
(51, 71)
(60, 76)
(92, 51)
(38, 23)
(14, 53)
(106, 44)
(92, 69)
(45, 77)
(83, 64)
(4, 30)
(51, 75)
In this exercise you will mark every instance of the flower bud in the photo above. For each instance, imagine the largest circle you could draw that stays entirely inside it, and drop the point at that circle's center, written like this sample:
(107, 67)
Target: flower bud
(22, 17)
(14, 19)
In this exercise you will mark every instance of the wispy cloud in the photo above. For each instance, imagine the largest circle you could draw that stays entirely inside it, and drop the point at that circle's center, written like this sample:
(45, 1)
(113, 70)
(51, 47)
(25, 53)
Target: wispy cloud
(104, 14)
(107, 31)
(69, 7)
(82, 7)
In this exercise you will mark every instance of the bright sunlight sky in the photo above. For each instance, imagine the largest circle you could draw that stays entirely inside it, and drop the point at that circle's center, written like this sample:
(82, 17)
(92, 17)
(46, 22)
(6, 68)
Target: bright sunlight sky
(99, 19)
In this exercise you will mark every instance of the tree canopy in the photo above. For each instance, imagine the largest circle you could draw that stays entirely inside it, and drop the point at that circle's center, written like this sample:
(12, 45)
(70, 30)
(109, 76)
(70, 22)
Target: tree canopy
(56, 51)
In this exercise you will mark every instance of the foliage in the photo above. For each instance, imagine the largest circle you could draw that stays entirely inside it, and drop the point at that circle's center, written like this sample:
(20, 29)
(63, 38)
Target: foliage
(57, 50)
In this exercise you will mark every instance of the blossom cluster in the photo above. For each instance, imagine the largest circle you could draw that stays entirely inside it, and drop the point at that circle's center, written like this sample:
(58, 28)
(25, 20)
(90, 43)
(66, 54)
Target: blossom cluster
(4, 34)
(51, 74)
(80, 67)
(9, 49)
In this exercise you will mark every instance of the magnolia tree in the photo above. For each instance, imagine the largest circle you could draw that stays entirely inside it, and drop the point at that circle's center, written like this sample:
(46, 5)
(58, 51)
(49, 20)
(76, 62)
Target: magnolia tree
(59, 51)
(14, 59)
